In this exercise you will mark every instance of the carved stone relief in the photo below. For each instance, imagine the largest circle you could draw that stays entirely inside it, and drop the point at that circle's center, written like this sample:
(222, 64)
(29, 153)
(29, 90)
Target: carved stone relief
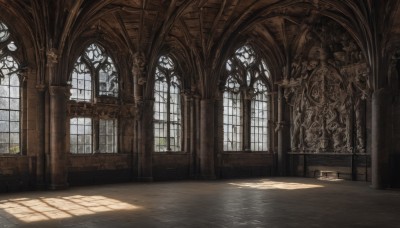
(326, 86)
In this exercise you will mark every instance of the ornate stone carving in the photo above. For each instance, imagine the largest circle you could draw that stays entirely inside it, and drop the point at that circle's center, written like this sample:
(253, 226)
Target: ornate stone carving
(52, 56)
(138, 70)
(41, 87)
(327, 83)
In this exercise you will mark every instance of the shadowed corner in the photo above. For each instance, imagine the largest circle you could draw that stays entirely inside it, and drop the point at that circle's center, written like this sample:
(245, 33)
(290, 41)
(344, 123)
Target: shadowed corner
(50, 208)
(266, 184)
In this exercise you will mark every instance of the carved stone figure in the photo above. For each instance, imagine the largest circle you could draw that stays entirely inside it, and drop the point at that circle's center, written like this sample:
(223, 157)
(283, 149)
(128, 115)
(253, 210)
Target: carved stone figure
(324, 89)
(139, 63)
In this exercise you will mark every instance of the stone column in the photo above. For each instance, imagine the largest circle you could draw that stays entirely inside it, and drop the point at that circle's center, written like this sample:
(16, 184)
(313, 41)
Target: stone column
(41, 140)
(207, 139)
(380, 148)
(58, 153)
(144, 120)
(196, 135)
(146, 142)
(57, 161)
(283, 132)
(188, 129)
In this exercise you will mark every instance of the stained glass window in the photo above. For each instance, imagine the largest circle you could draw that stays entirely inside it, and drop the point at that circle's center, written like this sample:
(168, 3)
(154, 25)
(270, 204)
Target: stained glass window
(167, 107)
(246, 91)
(10, 94)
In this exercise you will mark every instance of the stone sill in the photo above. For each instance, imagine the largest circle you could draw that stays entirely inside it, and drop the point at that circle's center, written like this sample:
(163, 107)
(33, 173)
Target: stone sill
(328, 153)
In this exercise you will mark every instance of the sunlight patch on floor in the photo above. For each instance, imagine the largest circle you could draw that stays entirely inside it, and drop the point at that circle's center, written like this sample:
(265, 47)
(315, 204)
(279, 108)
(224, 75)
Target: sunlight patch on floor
(267, 184)
(44, 208)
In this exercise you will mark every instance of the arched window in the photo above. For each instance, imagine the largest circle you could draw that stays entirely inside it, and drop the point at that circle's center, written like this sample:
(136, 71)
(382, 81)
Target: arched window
(245, 102)
(167, 107)
(10, 95)
(94, 63)
(94, 75)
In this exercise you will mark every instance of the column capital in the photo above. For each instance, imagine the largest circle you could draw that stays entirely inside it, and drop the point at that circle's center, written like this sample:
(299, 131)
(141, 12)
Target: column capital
(41, 87)
(59, 90)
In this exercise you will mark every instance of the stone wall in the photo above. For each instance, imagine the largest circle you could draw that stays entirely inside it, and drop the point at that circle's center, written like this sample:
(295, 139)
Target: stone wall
(233, 165)
(16, 173)
(99, 168)
(346, 167)
(171, 166)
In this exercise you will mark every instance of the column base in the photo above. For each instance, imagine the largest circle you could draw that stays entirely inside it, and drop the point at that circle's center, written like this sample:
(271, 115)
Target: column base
(58, 186)
(145, 179)
(207, 177)
(40, 186)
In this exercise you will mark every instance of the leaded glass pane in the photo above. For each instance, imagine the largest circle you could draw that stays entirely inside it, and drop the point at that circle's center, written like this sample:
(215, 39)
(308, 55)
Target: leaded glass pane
(108, 79)
(160, 113)
(259, 119)
(108, 136)
(245, 84)
(9, 102)
(12, 46)
(167, 113)
(232, 122)
(81, 82)
(81, 135)
(95, 54)
(94, 61)
(4, 33)
(175, 115)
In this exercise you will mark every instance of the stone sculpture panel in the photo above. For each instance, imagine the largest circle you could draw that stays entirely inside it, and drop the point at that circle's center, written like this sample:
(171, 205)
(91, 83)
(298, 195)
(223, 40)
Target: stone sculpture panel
(326, 88)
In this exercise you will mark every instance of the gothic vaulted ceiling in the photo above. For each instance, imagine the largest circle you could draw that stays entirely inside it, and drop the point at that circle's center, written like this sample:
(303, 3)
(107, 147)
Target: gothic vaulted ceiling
(202, 33)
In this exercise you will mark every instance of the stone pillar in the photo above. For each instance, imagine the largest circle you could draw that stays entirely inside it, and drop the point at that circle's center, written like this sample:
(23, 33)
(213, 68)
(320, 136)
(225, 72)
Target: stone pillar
(58, 153)
(188, 129)
(146, 142)
(144, 120)
(380, 148)
(41, 140)
(283, 132)
(207, 139)
(196, 135)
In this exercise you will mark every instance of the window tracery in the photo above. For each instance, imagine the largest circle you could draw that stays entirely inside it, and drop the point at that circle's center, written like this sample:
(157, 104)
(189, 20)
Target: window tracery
(246, 91)
(94, 75)
(10, 95)
(167, 107)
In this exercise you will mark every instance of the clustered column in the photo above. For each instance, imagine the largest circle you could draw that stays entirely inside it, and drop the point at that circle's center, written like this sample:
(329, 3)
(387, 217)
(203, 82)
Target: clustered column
(207, 139)
(380, 148)
(58, 117)
(144, 119)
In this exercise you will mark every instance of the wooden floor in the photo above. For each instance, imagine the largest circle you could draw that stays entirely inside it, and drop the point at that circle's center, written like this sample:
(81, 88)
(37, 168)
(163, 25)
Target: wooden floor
(272, 202)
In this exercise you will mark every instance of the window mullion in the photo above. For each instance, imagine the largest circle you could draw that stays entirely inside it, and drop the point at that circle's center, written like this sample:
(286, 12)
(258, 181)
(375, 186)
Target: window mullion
(95, 135)
(246, 123)
(168, 116)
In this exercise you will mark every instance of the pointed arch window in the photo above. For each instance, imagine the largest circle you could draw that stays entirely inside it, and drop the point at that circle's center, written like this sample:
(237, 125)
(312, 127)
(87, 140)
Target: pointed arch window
(245, 102)
(167, 107)
(10, 95)
(94, 75)
(94, 68)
